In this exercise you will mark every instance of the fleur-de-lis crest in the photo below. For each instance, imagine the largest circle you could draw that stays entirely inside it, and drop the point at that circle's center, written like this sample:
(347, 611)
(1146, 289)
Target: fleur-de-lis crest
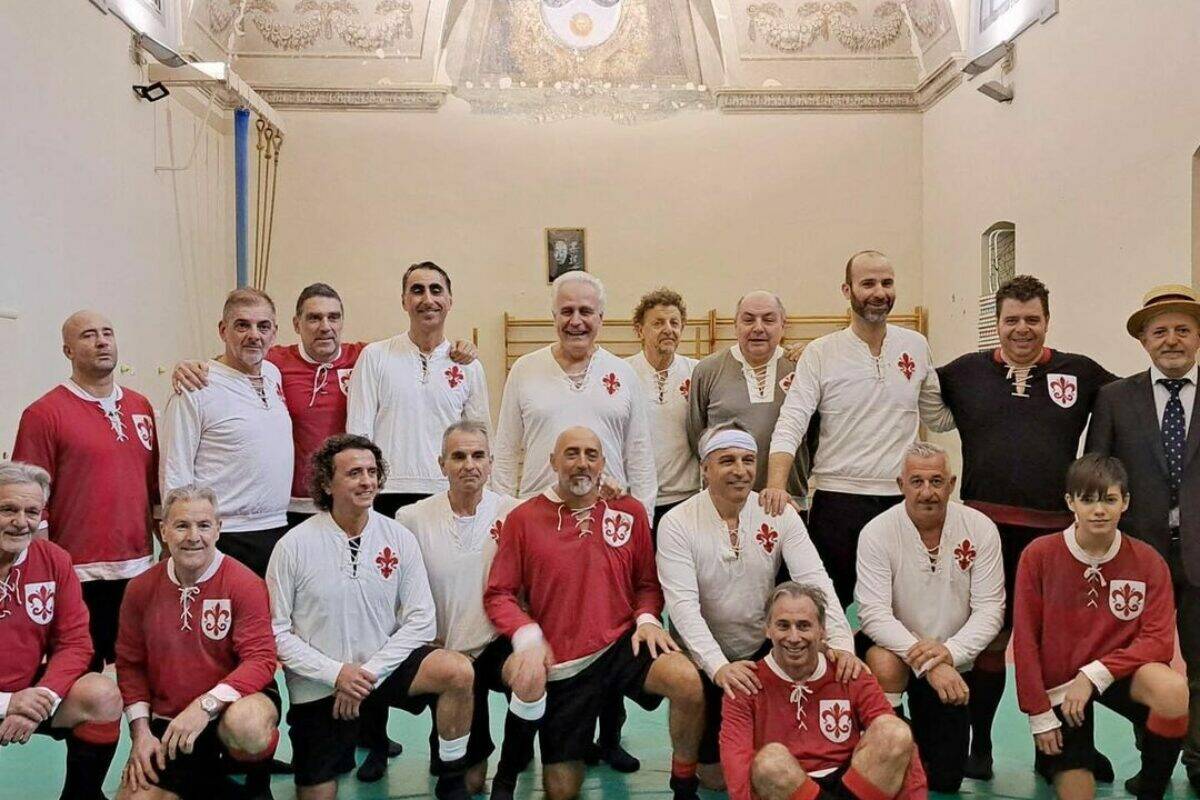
(965, 554)
(1126, 599)
(907, 366)
(497, 526)
(618, 527)
(1064, 389)
(215, 619)
(766, 537)
(454, 376)
(39, 602)
(836, 720)
(611, 383)
(685, 388)
(387, 562)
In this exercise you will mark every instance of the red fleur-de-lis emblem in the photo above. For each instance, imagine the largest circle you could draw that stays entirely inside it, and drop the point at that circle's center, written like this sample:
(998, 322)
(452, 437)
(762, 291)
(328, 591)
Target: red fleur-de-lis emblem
(497, 526)
(907, 365)
(617, 528)
(1064, 389)
(836, 720)
(766, 536)
(454, 376)
(215, 618)
(39, 602)
(786, 383)
(1126, 598)
(611, 383)
(965, 554)
(387, 562)
(685, 388)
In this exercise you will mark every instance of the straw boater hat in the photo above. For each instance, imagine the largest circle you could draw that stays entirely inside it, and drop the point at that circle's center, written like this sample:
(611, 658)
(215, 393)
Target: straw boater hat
(1161, 300)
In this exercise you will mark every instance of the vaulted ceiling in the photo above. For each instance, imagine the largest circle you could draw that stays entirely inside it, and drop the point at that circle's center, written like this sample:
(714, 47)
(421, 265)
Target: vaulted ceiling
(547, 59)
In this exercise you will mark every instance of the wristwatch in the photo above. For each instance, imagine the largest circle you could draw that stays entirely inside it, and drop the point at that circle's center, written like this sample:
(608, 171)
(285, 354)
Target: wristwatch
(210, 705)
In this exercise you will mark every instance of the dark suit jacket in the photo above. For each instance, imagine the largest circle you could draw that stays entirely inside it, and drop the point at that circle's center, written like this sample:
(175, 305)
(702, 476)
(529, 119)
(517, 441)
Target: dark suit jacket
(1125, 424)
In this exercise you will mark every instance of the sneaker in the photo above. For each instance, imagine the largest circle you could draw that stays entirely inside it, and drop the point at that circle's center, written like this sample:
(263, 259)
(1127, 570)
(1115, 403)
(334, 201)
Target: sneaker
(373, 768)
(685, 788)
(502, 789)
(979, 767)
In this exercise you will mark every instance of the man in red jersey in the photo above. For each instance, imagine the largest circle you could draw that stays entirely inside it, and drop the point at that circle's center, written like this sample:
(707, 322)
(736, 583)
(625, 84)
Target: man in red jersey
(805, 734)
(585, 569)
(1113, 594)
(195, 647)
(44, 685)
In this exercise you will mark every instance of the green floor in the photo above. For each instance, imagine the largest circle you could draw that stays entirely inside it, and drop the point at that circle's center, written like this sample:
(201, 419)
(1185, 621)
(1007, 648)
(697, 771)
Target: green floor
(34, 771)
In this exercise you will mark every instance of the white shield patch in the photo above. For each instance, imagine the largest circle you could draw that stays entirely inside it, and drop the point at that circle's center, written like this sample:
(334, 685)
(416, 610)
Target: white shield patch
(836, 720)
(1064, 389)
(344, 380)
(1126, 599)
(618, 527)
(39, 602)
(144, 425)
(216, 618)
(582, 24)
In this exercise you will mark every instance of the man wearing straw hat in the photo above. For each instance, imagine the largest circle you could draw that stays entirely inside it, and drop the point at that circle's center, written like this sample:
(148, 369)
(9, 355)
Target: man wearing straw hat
(1145, 420)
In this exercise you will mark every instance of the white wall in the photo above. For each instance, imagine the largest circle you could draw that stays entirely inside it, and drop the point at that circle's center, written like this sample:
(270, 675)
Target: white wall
(84, 219)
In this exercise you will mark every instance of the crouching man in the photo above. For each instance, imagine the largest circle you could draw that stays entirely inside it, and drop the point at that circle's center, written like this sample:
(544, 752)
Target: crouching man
(804, 734)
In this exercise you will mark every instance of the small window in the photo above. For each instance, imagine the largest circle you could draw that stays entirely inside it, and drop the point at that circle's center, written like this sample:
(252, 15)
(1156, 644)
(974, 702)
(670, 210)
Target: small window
(999, 266)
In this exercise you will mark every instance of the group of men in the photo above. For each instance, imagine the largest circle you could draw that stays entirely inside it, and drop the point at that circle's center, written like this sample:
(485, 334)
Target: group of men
(346, 510)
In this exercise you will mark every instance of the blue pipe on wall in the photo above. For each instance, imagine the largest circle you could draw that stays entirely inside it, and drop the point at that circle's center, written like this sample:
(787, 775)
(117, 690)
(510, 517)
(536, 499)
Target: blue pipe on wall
(241, 172)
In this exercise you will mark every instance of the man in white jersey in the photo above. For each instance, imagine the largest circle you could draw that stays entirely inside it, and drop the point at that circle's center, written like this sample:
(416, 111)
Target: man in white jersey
(405, 390)
(235, 435)
(658, 320)
(930, 598)
(873, 384)
(718, 555)
(458, 531)
(353, 619)
(575, 382)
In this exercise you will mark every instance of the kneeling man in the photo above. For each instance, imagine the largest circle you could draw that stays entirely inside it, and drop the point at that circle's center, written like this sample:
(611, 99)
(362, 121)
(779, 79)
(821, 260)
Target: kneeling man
(194, 646)
(805, 734)
(1095, 621)
(718, 555)
(353, 619)
(45, 686)
(457, 531)
(930, 598)
(585, 569)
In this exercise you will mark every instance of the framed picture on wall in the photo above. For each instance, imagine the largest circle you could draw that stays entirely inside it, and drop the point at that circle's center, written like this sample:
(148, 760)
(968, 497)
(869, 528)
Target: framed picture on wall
(159, 19)
(565, 251)
(994, 22)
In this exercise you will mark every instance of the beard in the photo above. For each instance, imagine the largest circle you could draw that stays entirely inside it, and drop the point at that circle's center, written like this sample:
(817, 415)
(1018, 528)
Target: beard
(581, 485)
(870, 313)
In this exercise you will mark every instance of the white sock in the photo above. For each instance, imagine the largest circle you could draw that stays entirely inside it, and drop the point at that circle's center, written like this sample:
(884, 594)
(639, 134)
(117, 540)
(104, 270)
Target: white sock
(452, 749)
(530, 712)
(894, 698)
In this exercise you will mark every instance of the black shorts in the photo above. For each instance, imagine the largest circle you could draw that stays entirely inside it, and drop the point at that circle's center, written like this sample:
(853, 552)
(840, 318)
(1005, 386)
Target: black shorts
(942, 734)
(832, 787)
(320, 743)
(103, 601)
(389, 504)
(252, 548)
(573, 704)
(201, 774)
(710, 739)
(1078, 744)
(660, 511)
(835, 520)
(1013, 541)
(489, 666)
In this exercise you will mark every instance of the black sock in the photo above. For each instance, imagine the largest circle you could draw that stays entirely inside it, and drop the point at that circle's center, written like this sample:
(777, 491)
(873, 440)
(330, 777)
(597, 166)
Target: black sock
(517, 751)
(87, 766)
(1159, 755)
(612, 720)
(452, 784)
(986, 690)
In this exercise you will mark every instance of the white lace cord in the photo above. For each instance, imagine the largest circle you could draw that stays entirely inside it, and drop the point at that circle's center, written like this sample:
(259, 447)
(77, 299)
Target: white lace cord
(320, 378)
(799, 696)
(578, 380)
(757, 377)
(1093, 575)
(118, 424)
(187, 594)
(1020, 378)
(583, 518)
(9, 589)
(424, 367)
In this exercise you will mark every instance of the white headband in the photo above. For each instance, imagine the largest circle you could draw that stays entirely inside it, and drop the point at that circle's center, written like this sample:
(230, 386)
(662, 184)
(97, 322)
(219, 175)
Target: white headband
(730, 437)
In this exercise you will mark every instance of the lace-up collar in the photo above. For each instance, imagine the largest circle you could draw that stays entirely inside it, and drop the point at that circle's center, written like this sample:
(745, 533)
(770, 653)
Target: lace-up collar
(760, 381)
(110, 406)
(582, 516)
(10, 587)
(188, 594)
(801, 690)
(1092, 574)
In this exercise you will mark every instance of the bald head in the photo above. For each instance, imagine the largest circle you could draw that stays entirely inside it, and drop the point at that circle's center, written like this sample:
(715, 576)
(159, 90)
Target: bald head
(760, 298)
(578, 460)
(90, 344)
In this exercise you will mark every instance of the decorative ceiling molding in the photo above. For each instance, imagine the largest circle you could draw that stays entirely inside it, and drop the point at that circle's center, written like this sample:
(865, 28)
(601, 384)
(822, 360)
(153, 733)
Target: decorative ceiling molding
(405, 98)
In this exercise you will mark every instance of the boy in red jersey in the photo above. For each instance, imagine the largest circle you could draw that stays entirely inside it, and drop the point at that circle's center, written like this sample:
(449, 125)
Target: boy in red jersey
(804, 734)
(1095, 620)
(586, 568)
(195, 647)
(45, 642)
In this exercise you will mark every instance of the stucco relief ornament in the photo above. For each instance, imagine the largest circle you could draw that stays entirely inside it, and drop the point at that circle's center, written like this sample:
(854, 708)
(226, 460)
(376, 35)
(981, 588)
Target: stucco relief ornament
(926, 16)
(321, 20)
(827, 20)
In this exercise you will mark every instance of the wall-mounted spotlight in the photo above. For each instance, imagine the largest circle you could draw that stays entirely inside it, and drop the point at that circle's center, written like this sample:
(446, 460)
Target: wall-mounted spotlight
(986, 61)
(997, 90)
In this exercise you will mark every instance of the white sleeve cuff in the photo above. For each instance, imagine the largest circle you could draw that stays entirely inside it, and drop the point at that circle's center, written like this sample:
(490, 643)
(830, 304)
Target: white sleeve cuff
(714, 666)
(527, 636)
(225, 693)
(136, 711)
(1098, 674)
(1043, 722)
(4, 698)
(53, 696)
(648, 619)
(958, 658)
